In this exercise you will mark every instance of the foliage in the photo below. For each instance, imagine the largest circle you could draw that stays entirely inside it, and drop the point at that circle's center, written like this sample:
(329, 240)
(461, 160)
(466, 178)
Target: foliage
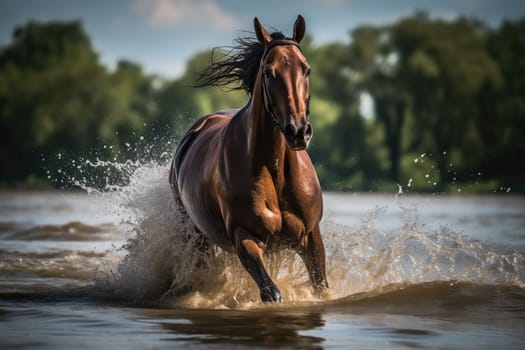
(449, 108)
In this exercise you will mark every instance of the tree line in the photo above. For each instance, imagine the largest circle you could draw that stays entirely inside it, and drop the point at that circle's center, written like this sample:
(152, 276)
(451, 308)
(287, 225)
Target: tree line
(448, 105)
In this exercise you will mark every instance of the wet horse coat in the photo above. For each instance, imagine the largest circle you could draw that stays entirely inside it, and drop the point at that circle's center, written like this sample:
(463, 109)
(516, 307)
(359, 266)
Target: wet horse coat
(244, 177)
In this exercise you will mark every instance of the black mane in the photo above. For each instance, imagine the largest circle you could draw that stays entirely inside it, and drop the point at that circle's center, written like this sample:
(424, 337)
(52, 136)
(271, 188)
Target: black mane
(238, 69)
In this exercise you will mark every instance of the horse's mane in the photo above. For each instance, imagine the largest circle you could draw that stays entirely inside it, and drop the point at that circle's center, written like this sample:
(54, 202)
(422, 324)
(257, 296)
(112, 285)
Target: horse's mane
(238, 69)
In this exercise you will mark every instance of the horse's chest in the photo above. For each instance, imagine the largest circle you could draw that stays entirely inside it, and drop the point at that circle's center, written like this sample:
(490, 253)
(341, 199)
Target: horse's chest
(287, 209)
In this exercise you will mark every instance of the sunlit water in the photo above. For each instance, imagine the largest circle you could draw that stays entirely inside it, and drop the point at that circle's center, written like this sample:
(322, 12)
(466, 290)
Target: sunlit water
(119, 269)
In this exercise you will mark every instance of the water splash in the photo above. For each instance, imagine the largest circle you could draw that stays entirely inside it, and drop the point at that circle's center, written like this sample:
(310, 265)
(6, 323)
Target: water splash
(162, 263)
(373, 259)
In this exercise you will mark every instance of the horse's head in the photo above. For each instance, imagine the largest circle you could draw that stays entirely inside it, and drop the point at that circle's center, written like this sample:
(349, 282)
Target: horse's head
(284, 76)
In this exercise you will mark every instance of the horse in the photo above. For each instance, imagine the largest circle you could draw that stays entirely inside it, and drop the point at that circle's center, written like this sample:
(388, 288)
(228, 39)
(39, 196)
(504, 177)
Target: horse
(243, 176)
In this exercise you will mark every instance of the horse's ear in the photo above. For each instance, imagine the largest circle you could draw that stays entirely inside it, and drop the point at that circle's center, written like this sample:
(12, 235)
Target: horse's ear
(262, 35)
(299, 29)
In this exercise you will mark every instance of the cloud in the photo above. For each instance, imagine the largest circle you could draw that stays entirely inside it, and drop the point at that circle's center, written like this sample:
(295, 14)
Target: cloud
(171, 13)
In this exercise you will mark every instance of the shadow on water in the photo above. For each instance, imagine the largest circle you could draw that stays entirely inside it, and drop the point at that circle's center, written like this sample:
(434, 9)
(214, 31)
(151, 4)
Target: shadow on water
(266, 328)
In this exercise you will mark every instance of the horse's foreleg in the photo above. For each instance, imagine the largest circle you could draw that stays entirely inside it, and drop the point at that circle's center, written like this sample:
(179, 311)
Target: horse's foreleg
(250, 251)
(312, 251)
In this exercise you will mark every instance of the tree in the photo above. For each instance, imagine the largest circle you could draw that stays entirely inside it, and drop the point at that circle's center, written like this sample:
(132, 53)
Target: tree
(450, 89)
(502, 111)
(57, 99)
(445, 65)
(342, 150)
(49, 80)
(374, 60)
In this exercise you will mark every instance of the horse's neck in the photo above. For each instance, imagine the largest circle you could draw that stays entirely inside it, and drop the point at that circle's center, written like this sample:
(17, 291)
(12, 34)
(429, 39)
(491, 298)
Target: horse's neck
(267, 146)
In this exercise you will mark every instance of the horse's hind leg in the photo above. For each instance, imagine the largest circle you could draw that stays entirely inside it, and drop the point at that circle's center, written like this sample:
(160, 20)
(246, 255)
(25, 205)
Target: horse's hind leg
(250, 251)
(311, 249)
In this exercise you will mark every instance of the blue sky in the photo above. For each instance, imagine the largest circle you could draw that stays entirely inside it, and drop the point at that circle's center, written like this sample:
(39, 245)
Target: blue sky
(162, 34)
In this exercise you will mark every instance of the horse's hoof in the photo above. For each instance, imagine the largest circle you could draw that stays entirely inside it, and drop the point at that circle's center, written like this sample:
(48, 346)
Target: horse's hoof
(323, 293)
(271, 294)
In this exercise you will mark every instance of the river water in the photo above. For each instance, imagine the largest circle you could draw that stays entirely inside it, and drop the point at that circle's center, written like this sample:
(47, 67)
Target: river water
(119, 270)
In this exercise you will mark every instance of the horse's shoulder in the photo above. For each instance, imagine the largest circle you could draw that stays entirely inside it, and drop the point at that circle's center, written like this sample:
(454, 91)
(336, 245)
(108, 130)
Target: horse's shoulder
(307, 186)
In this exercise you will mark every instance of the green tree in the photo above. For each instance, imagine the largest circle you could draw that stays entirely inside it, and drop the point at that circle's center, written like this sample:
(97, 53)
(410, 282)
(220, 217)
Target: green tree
(177, 107)
(444, 65)
(57, 99)
(453, 89)
(133, 104)
(49, 81)
(502, 112)
(374, 61)
(345, 148)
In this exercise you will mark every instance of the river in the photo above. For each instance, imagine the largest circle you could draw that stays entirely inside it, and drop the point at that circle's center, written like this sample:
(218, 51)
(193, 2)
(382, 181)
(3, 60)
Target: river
(105, 270)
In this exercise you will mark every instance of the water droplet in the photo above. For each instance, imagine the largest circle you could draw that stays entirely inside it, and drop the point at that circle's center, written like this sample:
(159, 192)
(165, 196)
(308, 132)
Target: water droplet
(141, 138)
(427, 176)
(416, 160)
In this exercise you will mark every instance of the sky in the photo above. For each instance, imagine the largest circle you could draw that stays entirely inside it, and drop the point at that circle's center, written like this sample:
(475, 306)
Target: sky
(162, 35)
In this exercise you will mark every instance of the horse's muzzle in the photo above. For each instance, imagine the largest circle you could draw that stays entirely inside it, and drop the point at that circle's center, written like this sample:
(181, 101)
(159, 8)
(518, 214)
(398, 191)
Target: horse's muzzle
(298, 138)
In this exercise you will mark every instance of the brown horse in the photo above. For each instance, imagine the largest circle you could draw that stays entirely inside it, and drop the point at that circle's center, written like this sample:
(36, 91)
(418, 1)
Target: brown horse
(243, 176)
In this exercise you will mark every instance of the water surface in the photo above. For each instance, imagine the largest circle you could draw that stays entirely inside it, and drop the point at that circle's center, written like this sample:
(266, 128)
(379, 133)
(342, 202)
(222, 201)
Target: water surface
(106, 271)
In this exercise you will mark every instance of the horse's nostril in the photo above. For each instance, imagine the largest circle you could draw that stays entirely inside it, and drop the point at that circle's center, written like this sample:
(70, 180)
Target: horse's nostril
(308, 130)
(290, 130)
